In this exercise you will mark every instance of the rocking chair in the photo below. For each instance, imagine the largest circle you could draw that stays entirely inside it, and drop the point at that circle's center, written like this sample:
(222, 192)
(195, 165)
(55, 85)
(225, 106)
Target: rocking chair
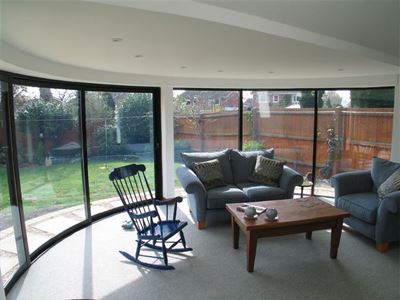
(134, 191)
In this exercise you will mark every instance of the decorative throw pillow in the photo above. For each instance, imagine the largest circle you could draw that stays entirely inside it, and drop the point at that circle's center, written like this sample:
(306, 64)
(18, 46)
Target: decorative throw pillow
(267, 171)
(210, 173)
(390, 185)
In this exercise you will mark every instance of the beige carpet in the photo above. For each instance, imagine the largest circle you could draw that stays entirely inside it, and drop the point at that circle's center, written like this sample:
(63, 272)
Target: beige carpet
(88, 265)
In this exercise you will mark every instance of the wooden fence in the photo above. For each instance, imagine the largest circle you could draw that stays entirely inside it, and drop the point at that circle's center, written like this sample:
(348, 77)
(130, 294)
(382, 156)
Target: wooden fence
(347, 138)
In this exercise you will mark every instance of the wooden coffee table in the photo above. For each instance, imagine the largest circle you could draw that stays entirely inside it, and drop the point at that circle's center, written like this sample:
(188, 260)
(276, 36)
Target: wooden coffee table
(295, 216)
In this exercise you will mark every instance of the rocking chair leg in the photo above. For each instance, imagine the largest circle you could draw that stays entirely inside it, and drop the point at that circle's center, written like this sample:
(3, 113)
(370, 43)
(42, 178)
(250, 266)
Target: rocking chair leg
(182, 239)
(139, 245)
(164, 250)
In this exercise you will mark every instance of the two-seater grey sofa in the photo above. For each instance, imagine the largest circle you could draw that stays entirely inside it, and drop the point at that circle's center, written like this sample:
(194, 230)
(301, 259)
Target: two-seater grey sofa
(236, 167)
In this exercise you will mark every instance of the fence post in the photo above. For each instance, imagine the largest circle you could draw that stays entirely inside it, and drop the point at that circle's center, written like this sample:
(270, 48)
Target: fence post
(338, 119)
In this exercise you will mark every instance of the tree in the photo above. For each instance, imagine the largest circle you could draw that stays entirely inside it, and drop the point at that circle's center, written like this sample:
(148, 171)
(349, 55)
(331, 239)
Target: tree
(286, 101)
(306, 99)
(45, 94)
(334, 99)
(135, 116)
(372, 98)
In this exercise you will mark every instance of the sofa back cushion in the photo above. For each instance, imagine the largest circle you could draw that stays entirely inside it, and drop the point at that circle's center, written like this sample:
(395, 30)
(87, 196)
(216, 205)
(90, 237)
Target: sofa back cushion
(189, 158)
(381, 170)
(210, 173)
(243, 163)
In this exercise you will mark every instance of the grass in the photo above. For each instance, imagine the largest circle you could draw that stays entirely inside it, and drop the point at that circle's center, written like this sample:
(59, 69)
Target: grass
(60, 186)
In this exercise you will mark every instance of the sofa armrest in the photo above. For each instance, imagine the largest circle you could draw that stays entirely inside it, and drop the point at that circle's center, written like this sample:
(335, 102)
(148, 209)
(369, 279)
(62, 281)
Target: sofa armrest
(190, 182)
(289, 180)
(391, 203)
(352, 182)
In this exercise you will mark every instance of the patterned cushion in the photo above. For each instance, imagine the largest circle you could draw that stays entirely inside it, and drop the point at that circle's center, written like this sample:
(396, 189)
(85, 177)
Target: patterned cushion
(267, 171)
(381, 170)
(210, 173)
(390, 185)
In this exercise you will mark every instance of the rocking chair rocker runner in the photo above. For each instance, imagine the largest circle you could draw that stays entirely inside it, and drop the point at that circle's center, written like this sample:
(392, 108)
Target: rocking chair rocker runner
(134, 191)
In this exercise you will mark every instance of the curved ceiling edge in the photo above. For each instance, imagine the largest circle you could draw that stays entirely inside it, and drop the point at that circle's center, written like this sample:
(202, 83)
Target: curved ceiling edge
(18, 61)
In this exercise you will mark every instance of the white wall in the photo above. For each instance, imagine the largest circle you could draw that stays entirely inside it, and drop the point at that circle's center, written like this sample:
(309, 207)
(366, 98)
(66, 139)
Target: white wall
(167, 135)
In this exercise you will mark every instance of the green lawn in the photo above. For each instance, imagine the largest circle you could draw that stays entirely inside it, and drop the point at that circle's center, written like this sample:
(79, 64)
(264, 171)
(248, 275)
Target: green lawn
(61, 185)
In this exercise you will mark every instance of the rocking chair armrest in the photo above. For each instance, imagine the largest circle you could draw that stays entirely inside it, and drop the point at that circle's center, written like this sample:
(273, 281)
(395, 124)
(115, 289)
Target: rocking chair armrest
(168, 201)
(151, 214)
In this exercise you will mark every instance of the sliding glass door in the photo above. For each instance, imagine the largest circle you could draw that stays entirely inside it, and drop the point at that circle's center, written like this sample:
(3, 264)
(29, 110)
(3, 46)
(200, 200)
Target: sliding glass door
(47, 132)
(119, 131)
(12, 253)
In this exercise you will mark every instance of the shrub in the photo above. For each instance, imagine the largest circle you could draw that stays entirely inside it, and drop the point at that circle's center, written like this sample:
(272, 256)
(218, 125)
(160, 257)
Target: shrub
(50, 119)
(253, 145)
(107, 145)
(135, 118)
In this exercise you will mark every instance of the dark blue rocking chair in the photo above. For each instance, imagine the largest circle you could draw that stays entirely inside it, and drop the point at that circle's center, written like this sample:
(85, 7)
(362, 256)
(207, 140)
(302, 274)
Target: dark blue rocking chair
(134, 191)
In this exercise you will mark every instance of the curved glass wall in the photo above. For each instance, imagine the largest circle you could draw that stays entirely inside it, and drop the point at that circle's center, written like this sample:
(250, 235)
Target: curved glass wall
(66, 139)
(353, 126)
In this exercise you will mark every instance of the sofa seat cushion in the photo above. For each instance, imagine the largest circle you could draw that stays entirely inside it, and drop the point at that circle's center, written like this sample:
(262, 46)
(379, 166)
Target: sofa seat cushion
(217, 197)
(189, 158)
(243, 163)
(363, 206)
(259, 192)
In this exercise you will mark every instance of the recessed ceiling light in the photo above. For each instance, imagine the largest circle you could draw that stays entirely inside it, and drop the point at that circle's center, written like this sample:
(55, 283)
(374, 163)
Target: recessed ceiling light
(117, 39)
(340, 69)
(183, 67)
(220, 71)
(139, 55)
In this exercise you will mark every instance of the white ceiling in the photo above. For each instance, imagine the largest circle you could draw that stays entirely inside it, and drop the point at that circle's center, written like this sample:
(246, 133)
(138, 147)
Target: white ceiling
(212, 39)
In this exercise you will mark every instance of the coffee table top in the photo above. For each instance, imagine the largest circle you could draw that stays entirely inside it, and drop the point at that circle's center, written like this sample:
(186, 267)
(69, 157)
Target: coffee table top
(290, 212)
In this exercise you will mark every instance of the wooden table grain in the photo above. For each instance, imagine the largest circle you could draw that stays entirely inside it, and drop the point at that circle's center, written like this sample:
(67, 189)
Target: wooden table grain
(303, 215)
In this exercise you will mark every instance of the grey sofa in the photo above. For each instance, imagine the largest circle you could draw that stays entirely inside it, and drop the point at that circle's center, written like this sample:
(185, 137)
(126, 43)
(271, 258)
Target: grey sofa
(236, 168)
(374, 217)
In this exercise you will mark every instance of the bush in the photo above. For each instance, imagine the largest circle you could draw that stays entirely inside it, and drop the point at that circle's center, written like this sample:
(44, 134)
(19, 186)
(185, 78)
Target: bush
(253, 145)
(107, 145)
(135, 118)
(50, 119)
(182, 145)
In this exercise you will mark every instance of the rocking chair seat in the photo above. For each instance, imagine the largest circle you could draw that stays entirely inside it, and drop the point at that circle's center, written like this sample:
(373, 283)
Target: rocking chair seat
(163, 229)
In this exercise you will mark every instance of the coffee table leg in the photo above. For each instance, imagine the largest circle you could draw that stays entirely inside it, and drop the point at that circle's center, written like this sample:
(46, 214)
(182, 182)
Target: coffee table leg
(251, 250)
(235, 233)
(335, 237)
(308, 235)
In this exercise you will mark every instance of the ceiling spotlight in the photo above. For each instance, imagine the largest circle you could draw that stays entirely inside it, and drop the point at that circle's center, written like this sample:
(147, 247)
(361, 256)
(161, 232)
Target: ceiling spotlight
(117, 39)
(340, 69)
(220, 71)
(139, 55)
(183, 67)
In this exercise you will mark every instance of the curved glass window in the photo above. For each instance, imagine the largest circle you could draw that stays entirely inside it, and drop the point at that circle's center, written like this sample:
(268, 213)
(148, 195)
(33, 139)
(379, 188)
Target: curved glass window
(12, 254)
